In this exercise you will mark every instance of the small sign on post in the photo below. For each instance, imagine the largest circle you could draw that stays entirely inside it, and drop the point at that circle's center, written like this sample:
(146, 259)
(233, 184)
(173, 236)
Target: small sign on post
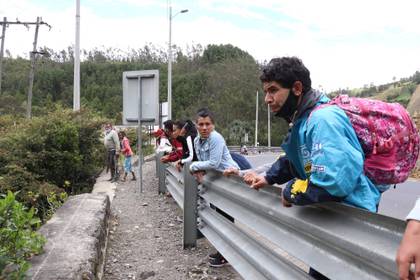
(141, 105)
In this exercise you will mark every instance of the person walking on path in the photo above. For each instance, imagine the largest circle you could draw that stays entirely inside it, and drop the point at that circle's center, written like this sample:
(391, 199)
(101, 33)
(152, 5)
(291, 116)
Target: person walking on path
(128, 153)
(112, 146)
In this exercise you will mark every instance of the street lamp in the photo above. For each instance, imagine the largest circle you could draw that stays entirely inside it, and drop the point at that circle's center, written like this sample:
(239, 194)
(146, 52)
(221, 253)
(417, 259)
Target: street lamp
(170, 60)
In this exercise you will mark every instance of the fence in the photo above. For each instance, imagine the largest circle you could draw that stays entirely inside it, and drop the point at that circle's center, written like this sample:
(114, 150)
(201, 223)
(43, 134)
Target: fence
(341, 242)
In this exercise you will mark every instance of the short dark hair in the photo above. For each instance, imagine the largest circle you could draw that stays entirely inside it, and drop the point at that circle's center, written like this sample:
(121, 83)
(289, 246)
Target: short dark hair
(190, 129)
(179, 124)
(168, 125)
(122, 133)
(286, 71)
(204, 113)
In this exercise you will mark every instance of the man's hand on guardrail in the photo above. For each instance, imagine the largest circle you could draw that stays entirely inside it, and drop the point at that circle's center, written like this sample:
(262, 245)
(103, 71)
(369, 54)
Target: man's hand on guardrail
(250, 177)
(179, 165)
(230, 171)
(164, 159)
(198, 175)
(409, 252)
(258, 182)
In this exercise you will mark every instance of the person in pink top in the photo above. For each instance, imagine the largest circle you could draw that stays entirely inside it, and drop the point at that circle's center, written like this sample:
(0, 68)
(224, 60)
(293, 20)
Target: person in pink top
(127, 152)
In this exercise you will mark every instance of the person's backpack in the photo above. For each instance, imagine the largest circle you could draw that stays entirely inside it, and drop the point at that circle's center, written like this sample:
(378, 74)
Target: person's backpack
(387, 134)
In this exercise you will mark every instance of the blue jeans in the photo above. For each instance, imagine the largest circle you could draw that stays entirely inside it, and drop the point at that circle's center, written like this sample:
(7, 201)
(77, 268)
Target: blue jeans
(127, 164)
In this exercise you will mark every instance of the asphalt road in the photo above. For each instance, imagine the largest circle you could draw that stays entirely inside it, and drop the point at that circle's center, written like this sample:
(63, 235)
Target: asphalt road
(395, 203)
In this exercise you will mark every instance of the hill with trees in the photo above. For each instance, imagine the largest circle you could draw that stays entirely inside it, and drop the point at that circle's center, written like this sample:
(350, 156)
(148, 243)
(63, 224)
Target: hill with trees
(221, 77)
(397, 91)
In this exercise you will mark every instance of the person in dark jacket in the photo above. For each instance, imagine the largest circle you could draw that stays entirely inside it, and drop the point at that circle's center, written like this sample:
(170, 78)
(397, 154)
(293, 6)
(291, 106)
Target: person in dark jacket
(187, 134)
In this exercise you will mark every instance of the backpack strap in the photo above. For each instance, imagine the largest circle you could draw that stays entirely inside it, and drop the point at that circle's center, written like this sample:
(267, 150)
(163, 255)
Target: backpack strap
(316, 109)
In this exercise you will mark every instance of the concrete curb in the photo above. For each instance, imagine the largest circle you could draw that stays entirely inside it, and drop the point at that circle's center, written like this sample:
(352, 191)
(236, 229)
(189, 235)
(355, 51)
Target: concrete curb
(76, 236)
(104, 186)
(76, 240)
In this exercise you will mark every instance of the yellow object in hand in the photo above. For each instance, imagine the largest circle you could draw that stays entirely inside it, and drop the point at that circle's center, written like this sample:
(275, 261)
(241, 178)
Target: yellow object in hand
(299, 186)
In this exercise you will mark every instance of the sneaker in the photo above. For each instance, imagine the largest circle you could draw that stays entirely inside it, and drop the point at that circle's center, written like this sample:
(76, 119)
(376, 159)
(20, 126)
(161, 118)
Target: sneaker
(215, 256)
(218, 262)
(114, 180)
(134, 179)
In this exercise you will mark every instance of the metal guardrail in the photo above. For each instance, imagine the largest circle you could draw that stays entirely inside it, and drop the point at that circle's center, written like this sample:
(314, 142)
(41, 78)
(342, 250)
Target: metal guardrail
(255, 150)
(184, 189)
(340, 241)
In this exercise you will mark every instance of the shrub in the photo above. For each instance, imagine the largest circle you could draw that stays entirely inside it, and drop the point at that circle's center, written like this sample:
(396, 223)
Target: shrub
(51, 156)
(18, 239)
(31, 191)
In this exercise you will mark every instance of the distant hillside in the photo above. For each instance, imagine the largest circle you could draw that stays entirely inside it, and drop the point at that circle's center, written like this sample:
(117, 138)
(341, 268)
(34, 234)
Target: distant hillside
(414, 105)
(399, 91)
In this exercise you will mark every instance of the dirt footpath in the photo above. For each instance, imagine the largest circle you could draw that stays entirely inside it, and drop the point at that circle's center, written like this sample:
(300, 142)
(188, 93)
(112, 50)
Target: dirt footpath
(145, 237)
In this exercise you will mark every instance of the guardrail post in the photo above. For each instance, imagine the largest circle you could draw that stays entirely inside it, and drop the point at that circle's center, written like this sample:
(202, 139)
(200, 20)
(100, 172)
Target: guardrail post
(157, 161)
(160, 170)
(190, 208)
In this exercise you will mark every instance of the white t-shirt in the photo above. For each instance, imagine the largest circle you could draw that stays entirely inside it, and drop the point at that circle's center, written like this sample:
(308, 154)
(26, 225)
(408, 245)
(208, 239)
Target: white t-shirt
(164, 146)
(191, 151)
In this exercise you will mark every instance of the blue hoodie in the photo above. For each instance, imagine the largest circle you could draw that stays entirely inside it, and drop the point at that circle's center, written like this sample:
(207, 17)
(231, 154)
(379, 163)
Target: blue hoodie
(323, 148)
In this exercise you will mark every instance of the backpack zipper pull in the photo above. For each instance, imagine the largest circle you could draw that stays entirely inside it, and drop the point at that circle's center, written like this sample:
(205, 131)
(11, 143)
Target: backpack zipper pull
(374, 143)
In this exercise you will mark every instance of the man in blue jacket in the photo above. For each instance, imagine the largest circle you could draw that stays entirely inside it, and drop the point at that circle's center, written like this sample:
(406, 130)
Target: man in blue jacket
(324, 159)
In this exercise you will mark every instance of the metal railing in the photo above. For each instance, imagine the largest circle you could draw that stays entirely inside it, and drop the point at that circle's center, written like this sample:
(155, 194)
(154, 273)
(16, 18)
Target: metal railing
(340, 241)
(255, 150)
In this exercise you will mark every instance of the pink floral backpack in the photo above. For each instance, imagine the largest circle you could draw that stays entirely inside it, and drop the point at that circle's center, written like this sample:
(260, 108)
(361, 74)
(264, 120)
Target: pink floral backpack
(387, 134)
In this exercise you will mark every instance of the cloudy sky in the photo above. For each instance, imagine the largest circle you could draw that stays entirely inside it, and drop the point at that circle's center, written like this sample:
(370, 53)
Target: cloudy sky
(343, 43)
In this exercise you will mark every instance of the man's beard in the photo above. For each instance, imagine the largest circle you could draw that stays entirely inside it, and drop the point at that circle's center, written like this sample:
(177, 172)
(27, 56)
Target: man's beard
(289, 107)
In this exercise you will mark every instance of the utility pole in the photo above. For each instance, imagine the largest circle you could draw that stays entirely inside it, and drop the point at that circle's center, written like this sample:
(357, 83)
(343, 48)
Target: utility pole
(170, 66)
(31, 71)
(256, 121)
(3, 34)
(170, 59)
(38, 22)
(269, 126)
(76, 81)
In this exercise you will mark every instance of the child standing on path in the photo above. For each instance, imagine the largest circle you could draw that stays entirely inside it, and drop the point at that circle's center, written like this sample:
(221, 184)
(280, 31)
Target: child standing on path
(127, 152)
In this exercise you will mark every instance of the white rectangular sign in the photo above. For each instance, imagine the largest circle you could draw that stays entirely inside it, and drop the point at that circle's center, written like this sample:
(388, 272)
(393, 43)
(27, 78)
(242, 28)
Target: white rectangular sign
(149, 80)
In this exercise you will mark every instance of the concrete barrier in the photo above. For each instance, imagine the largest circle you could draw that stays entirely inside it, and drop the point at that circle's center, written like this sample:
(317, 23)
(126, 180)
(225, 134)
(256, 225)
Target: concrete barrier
(76, 240)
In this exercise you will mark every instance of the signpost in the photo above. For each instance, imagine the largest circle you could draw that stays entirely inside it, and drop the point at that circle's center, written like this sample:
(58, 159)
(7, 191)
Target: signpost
(141, 105)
